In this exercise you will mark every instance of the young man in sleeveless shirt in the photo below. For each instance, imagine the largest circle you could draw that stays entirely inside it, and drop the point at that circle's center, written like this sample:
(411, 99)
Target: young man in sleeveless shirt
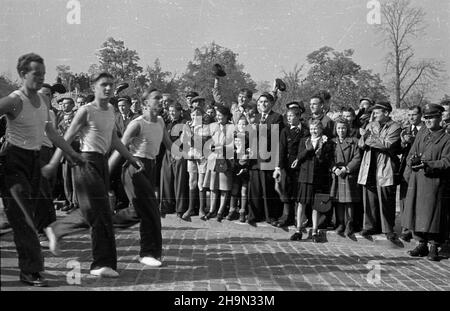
(27, 121)
(95, 123)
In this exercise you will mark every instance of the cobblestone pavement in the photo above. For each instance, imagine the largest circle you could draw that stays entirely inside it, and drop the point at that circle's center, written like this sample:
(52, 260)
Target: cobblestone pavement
(229, 256)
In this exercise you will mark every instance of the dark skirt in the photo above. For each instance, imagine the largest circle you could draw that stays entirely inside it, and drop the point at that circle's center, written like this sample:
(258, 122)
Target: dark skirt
(305, 193)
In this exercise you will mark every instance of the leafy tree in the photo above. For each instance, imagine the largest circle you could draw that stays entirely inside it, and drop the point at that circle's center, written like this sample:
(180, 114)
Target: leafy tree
(65, 76)
(118, 60)
(337, 73)
(198, 76)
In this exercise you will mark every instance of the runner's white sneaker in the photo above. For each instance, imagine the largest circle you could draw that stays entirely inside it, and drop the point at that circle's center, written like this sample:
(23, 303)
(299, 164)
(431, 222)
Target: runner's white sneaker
(150, 261)
(106, 272)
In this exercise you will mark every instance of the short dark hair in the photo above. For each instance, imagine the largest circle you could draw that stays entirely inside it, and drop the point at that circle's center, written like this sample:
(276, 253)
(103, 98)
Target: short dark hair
(419, 109)
(248, 93)
(69, 99)
(176, 105)
(295, 111)
(319, 97)
(23, 64)
(101, 75)
(348, 109)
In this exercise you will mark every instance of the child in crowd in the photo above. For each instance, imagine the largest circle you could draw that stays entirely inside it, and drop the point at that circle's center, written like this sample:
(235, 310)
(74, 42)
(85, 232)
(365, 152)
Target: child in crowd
(344, 189)
(285, 176)
(314, 156)
(240, 171)
(196, 134)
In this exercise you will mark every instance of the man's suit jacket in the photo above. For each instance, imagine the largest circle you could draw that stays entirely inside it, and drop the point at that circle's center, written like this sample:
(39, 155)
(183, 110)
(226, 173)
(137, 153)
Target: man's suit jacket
(273, 118)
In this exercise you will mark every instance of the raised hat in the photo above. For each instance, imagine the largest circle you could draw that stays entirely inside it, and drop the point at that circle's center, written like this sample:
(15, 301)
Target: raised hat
(217, 70)
(121, 87)
(433, 110)
(58, 88)
(383, 105)
(279, 84)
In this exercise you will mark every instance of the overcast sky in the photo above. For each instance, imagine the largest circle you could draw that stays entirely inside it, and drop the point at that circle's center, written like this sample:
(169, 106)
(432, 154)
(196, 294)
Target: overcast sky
(269, 35)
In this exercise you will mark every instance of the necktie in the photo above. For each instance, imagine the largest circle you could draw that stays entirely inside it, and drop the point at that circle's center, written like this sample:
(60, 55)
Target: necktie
(414, 131)
(263, 118)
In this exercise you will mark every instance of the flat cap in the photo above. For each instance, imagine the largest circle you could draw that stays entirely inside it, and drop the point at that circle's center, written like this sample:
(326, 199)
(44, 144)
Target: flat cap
(296, 105)
(383, 105)
(197, 98)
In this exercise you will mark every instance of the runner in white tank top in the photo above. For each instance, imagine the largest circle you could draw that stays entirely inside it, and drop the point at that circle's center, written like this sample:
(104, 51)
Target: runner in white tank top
(144, 136)
(95, 123)
(27, 120)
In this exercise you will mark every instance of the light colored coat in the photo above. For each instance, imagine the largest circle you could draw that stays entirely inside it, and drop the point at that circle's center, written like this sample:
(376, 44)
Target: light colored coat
(386, 141)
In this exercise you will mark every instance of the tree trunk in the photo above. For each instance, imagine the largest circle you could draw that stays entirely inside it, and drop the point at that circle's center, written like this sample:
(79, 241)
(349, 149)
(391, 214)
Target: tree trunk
(397, 78)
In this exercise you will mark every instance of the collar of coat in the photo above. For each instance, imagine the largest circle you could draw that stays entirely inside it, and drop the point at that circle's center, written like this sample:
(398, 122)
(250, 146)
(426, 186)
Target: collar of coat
(438, 135)
(347, 142)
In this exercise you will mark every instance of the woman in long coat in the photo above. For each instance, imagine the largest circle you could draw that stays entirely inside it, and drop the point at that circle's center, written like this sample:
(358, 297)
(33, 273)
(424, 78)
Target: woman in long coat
(344, 188)
(427, 201)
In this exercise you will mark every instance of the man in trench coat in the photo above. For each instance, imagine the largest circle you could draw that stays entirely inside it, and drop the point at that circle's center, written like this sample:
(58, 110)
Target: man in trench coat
(427, 201)
(380, 142)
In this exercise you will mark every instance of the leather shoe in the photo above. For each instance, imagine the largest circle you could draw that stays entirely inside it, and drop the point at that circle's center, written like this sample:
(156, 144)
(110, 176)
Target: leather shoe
(406, 236)
(33, 279)
(242, 217)
(251, 223)
(232, 216)
(297, 236)
(433, 254)
(219, 217)
(340, 230)
(391, 236)
(420, 250)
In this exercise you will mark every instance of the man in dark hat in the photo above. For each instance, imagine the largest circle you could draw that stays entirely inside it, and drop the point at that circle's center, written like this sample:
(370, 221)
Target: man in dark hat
(427, 173)
(197, 102)
(380, 142)
(189, 96)
(407, 137)
(264, 201)
(242, 104)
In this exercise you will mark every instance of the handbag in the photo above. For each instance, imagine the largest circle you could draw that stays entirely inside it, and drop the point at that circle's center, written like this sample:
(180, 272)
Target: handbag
(322, 202)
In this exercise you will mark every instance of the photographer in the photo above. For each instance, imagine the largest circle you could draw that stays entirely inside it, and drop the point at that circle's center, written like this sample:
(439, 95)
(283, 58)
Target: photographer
(427, 173)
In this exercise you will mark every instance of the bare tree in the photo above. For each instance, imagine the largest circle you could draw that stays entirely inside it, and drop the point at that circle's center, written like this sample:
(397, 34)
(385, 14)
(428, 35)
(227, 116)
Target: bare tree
(401, 24)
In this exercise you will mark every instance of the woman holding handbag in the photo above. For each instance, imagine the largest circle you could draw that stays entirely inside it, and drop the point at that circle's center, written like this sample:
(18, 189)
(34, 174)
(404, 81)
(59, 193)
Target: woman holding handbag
(344, 189)
(218, 177)
(315, 153)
